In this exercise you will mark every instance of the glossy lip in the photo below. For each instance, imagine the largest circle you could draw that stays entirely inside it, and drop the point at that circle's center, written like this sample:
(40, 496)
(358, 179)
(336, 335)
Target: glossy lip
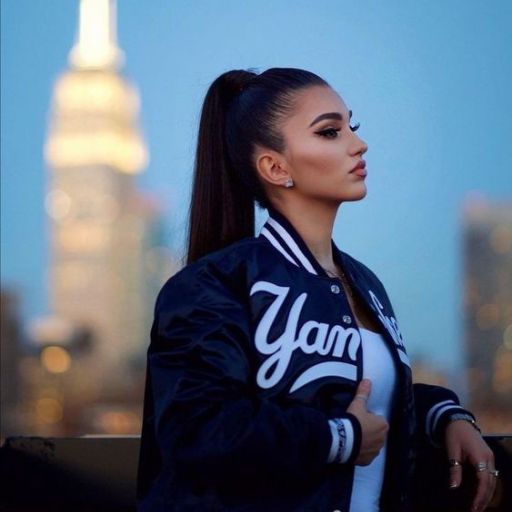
(360, 165)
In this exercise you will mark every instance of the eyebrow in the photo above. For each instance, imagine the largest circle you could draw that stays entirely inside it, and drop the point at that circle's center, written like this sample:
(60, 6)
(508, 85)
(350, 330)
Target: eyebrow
(330, 115)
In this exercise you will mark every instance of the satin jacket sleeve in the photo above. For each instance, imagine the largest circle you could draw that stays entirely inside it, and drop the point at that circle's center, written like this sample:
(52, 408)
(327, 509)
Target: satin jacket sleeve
(206, 415)
(434, 406)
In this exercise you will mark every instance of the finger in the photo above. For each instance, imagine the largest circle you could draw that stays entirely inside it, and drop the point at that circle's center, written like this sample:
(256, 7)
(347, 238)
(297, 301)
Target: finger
(454, 460)
(491, 487)
(484, 486)
(363, 390)
(493, 478)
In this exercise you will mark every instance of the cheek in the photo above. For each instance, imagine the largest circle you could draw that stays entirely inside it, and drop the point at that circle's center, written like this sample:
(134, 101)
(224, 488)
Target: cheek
(317, 159)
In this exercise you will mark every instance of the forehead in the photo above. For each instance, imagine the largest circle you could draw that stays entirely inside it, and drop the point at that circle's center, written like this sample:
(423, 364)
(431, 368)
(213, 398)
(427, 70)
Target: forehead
(316, 100)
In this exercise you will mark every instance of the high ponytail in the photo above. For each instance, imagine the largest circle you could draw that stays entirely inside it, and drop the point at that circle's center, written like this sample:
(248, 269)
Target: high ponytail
(241, 110)
(221, 209)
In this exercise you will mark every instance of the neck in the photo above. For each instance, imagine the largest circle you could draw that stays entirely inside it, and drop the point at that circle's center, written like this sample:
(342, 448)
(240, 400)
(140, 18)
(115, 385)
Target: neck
(314, 223)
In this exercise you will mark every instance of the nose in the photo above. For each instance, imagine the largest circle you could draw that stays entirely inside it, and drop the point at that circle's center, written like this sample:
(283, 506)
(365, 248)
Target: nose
(360, 146)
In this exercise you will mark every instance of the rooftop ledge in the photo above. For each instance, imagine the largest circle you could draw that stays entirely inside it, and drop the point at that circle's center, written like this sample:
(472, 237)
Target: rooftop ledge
(99, 472)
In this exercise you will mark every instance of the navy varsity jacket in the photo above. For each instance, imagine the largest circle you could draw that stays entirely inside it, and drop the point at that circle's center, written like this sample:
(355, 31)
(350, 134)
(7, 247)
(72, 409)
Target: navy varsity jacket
(253, 349)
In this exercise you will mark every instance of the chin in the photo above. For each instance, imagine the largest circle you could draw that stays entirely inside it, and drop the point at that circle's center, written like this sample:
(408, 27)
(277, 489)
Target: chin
(363, 194)
(356, 195)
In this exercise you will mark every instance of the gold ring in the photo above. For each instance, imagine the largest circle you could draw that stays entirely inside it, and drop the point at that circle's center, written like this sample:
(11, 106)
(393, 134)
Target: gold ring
(453, 462)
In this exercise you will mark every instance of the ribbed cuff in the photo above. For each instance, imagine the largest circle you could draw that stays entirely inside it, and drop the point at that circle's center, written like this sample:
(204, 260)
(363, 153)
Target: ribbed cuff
(335, 444)
(438, 417)
(351, 440)
(447, 418)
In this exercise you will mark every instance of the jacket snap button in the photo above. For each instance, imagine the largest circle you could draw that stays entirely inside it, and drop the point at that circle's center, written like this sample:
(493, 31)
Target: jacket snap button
(335, 288)
(347, 319)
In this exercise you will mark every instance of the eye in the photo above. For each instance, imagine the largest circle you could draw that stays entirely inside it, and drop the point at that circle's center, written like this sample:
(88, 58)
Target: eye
(329, 133)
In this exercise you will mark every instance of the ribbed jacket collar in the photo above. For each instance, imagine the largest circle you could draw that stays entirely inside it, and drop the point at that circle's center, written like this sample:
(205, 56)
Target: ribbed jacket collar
(279, 231)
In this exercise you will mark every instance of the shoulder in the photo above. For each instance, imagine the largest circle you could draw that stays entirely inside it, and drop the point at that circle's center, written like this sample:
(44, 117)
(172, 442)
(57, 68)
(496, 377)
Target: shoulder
(222, 271)
(205, 297)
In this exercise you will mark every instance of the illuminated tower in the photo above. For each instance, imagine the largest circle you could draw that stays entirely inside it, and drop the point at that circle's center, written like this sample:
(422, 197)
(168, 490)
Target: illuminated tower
(99, 222)
(488, 310)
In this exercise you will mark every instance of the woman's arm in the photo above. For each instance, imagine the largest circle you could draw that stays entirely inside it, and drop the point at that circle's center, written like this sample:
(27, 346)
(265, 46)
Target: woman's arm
(434, 407)
(453, 428)
(208, 416)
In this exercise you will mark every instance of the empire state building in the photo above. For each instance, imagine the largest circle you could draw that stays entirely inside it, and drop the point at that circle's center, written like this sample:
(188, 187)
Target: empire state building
(104, 250)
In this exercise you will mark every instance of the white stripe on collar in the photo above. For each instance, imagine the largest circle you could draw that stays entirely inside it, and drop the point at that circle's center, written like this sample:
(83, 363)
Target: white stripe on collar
(268, 235)
(290, 242)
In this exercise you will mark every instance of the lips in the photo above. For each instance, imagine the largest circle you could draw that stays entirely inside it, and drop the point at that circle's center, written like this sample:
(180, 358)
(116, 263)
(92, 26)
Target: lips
(359, 169)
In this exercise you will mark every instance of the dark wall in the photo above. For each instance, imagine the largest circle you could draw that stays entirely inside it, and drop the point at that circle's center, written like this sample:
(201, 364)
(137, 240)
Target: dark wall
(99, 474)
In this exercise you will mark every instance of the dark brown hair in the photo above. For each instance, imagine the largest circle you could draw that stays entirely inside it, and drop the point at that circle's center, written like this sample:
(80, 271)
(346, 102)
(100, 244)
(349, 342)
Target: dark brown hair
(241, 110)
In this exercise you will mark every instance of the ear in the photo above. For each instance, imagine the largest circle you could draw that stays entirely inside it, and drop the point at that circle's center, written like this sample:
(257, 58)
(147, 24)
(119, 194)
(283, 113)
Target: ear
(272, 168)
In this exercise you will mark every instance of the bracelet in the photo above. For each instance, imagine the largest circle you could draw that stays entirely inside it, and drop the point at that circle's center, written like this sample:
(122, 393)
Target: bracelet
(465, 417)
(342, 436)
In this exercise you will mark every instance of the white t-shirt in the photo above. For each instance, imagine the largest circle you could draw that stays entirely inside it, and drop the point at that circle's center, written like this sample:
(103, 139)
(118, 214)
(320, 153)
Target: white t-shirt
(379, 368)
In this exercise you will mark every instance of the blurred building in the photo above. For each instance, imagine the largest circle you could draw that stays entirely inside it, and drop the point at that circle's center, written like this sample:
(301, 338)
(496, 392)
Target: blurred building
(10, 356)
(426, 373)
(107, 255)
(487, 252)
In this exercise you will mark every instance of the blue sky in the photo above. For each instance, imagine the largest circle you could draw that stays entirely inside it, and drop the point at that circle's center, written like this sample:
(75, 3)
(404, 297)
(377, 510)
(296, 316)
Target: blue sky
(430, 83)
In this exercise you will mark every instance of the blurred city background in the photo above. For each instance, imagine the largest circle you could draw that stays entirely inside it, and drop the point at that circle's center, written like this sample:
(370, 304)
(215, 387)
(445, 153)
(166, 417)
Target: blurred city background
(99, 110)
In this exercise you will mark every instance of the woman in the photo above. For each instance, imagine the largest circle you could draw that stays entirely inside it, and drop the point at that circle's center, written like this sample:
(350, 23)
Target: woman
(277, 375)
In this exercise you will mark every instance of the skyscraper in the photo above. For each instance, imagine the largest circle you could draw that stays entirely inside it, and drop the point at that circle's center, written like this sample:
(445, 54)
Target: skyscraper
(10, 355)
(487, 246)
(103, 236)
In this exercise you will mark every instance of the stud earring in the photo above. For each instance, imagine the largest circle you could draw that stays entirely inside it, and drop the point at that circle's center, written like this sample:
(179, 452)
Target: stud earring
(288, 183)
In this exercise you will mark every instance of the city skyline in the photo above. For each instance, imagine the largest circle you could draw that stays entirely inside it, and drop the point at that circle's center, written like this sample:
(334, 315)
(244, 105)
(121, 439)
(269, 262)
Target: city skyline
(432, 100)
(488, 312)
(107, 258)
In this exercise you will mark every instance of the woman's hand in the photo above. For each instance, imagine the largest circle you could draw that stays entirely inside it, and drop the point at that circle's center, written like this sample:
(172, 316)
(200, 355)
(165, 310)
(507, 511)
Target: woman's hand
(465, 444)
(373, 427)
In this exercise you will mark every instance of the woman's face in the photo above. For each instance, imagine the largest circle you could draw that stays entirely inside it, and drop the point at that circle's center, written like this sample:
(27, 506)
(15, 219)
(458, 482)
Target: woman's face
(321, 149)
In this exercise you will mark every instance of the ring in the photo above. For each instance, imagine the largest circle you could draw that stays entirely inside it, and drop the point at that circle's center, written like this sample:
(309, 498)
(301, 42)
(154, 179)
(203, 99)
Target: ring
(494, 472)
(453, 462)
(481, 466)
(361, 397)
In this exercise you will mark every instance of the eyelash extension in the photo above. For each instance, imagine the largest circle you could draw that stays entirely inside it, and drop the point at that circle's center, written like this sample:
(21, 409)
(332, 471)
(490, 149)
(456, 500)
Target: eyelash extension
(327, 131)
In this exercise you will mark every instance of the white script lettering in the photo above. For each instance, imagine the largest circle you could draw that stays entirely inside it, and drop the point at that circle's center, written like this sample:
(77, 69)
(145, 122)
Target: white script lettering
(391, 325)
(312, 337)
